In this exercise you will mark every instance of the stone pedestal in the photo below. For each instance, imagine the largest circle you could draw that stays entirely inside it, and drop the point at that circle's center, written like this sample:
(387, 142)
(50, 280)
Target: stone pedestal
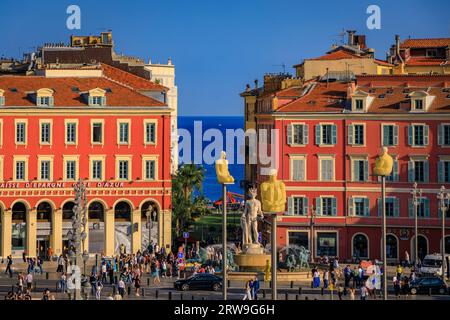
(252, 258)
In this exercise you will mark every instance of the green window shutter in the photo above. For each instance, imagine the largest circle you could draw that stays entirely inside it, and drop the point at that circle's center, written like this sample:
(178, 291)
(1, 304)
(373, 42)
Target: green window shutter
(305, 134)
(410, 208)
(350, 206)
(426, 130)
(410, 171)
(319, 206)
(51, 101)
(395, 169)
(395, 135)
(366, 170)
(305, 206)
(334, 134)
(441, 135)
(289, 134)
(91, 100)
(318, 140)
(290, 206)
(385, 136)
(427, 207)
(2, 101)
(103, 101)
(410, 135)
(380, 206)
(334, 210)
(441, 171)
(426, 169)
(351, 136)
(366, 207)
(396, 207)
(355, 170)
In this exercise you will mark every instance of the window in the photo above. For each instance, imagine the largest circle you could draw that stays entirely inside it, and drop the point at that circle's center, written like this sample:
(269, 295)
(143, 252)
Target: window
(444, 135)
(150, 132)
(45, 101)
(124, 133)
(21, 128)
(418, 104)
(444, 171)
(71, 170)
(423, 208)
(390, 135)
(359, 104)
(45, 133)
(20, 170)
(359, 206)
(150, 169)
(431, 53)
(418, 170)
(298, 168)
(97, 167)
(71, 133)
(326, 134)
(418, 135)
(360, 170)
(326, 244)
(356, 134)
(97, 132)
(326, 206)
(392, 207)
(297, 134)
(123, 169)
(45, 170)
(298, 206)
(97, 101)
(326, 169)
(394, 176)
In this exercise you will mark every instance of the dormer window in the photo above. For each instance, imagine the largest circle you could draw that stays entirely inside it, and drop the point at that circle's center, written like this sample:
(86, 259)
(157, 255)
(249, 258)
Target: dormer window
(97, 98)
(361, 101)
(2, 98)
(44, 98)
(420, 101)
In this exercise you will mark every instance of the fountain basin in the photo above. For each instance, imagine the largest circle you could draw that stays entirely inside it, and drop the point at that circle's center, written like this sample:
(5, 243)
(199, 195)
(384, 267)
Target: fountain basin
(251, 261)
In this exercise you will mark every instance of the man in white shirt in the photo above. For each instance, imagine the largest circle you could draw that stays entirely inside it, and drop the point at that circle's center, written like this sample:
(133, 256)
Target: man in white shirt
(29, 281)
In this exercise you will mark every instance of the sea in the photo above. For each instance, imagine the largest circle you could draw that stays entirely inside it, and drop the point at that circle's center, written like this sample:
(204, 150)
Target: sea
(211, 189)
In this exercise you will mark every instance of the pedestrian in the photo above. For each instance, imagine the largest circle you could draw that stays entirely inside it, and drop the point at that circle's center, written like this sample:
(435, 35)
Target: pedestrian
(137, 286)
(104, 270)
(255, 288)
(396, 284)
(248, 292)
(111, 275)
(29, 281)
(121, 287)
(407, 260)
(363, 292)
(20, 281)
(325, 279)
(340, 291)
(60, 264)
(63, 283)
(98, 291)
(399, 272)
(355, 276)
(9, 266)
(316, 279)
(352, 293)
(347, 276)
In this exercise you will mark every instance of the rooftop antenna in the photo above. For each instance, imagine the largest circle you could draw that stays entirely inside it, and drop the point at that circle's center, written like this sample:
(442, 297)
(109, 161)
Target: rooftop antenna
(341, 36)
(283, 65)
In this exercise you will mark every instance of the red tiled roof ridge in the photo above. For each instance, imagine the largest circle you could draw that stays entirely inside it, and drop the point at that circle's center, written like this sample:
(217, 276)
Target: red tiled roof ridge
(337, 55)
(131, 76)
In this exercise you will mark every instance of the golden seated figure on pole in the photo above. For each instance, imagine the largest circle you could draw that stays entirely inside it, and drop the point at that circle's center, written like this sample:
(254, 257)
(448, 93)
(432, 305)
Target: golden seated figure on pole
(273, 194)
(383, 164)
(223, 175)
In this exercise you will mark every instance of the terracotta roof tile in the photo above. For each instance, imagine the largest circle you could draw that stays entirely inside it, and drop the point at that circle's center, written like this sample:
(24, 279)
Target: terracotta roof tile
(131, 80)
(424, 61)
(425, 43)
(65, 94)
(338, 55)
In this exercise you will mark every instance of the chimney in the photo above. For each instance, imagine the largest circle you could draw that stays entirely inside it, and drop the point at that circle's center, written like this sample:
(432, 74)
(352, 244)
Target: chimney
(247, 88)
(351, 89)
(351, 37)
(397, 44)
(256, 83)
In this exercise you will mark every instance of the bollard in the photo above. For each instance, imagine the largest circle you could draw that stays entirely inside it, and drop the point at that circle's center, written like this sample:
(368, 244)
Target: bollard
(321, 291)
(228, 283)
(286, 296)
(143, 292)
(115, 279)
(300, 291)
(296, 297)
(129, 290)
(292, 284)
(114, 290)
(46, 275)
(181, 296)
(156, 294)
(429, 291)
(192, 298)
(270, 284)
(148, 281)
(170, 295)
(203, 298)
(264, 293)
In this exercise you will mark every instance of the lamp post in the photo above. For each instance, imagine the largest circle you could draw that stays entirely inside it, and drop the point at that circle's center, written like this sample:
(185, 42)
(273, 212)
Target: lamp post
(444, 198)
(148, 214)
(383, 168)
(274, 256)
(416, 194)
(312, 220)
(224, 241)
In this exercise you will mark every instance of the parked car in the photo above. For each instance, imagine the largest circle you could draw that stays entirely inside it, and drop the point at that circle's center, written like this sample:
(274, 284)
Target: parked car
(201, 281)
(423, 285)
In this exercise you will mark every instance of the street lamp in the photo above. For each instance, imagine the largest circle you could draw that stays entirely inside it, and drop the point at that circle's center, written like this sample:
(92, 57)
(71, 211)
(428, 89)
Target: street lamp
(383, 168)
(148, 214)
(416, 202)
(444, 199)
(311, 223)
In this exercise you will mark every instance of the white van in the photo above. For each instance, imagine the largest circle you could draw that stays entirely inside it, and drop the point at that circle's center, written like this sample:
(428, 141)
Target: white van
(432, 265)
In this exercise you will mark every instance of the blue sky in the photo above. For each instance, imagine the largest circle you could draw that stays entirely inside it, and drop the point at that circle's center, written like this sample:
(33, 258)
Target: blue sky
(219, 46)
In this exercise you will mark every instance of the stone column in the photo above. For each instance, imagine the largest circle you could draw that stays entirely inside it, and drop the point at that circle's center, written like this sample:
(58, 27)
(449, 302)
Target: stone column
(6, 233)
(56, 237)
(136, 239)
(165, 229)
(30, 248)
(109, 233)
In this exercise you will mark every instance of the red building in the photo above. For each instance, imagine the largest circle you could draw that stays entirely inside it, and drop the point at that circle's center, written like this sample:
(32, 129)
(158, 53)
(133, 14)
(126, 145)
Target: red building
(98, 123)
(330, 134)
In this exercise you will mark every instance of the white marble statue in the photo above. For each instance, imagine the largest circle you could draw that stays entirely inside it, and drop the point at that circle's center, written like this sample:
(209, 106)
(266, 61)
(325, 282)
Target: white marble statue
(249, 219)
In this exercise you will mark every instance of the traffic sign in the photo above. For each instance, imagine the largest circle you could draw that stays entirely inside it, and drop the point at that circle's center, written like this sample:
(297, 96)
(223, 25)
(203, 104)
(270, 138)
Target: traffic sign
(185, 235)
(180, 255)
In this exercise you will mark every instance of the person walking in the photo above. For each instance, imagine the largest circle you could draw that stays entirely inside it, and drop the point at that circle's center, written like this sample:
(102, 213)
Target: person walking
(255, 288)
(407, 259)
(9, 266)
(326, 276)
(316, 279)
(137, 285)
(396, 284)
(363, 292)
(20, 283)
(60, 264)
(63, 283)
(340, 291)
(104, 272)
(98, 291)
(399, 272)
(352, 293)
(29, 281)
(121, 287)
(248, 291)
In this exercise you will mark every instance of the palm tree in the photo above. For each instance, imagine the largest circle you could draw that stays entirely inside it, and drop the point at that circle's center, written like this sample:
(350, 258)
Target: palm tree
(185, 206)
